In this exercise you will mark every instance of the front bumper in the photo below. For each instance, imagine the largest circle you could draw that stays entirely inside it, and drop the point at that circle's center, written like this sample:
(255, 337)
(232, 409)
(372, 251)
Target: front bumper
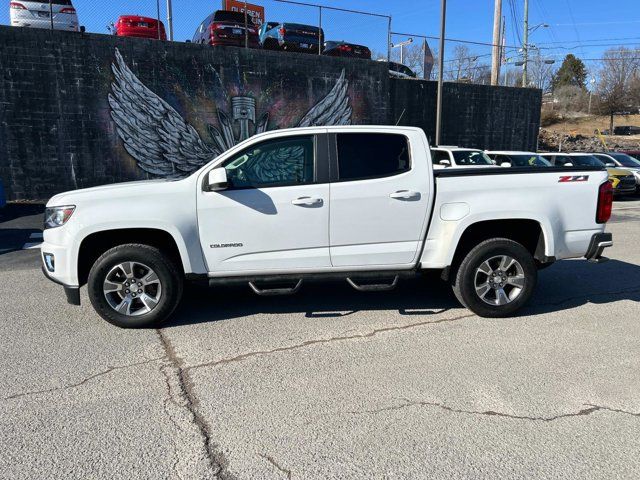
(72, 293)
(599, 241)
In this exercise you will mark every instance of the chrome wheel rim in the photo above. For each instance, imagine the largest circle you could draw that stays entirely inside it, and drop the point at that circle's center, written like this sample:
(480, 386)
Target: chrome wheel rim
(132, 289)
(499, 280)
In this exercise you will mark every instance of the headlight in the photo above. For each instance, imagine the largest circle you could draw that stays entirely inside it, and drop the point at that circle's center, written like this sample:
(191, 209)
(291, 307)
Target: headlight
(57, 216)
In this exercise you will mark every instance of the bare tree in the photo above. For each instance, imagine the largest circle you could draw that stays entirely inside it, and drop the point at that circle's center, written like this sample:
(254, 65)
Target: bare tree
(540, 73)
(619, 68)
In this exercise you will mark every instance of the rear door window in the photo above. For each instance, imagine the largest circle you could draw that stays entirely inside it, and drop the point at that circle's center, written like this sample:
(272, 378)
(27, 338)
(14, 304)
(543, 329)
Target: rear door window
(371, 155)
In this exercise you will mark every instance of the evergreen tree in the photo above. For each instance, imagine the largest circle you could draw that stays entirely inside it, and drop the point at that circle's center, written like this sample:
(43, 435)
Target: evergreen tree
(572, 72)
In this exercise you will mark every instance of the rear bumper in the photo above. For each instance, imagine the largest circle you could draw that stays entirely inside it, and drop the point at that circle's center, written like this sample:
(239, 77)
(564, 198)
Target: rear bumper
(295, 46)
(599, 242)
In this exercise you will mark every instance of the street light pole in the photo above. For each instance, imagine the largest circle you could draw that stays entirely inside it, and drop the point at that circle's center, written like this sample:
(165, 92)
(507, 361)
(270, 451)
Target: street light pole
(443, 16)
(525, 47)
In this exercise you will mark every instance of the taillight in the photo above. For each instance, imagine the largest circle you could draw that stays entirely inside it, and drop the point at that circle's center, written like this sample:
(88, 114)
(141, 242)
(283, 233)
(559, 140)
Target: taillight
(216, 26)
(282, 31)
(344, 48)
(68, 10)
(17, 6)
(605, 202)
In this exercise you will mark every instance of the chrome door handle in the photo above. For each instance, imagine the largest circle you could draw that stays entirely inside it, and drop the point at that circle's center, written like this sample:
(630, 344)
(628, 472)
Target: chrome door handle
(307, 201)
(404, 195)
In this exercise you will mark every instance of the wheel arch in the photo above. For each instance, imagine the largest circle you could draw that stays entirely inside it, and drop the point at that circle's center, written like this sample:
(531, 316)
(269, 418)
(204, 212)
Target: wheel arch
(529, 232)
(96, 243)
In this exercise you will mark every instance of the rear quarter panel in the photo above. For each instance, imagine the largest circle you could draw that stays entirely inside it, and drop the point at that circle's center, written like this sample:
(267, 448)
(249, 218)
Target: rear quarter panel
(566, 211)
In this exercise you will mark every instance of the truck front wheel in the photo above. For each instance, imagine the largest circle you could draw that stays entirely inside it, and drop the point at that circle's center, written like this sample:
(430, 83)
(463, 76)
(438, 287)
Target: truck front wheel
(134, 286)
(496, 278)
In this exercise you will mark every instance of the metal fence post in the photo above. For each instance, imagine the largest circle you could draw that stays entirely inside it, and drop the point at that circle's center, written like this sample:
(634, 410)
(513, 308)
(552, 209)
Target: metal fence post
(170, 19)
(158, 17)
(389, 39)
(246, 26)
(320, 30)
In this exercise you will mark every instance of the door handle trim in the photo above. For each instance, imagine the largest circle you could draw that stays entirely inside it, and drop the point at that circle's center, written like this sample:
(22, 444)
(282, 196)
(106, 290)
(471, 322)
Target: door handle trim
(404, 195)
(306, 201)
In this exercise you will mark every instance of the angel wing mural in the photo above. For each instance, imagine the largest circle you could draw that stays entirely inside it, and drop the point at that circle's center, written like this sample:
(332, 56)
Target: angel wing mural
(165, 145)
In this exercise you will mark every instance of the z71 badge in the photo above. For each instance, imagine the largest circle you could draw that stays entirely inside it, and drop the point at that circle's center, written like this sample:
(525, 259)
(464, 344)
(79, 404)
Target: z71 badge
(573, 178)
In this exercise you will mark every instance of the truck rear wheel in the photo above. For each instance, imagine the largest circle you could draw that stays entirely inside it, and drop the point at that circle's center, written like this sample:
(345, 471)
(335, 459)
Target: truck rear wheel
(496, 278)
(134, 286)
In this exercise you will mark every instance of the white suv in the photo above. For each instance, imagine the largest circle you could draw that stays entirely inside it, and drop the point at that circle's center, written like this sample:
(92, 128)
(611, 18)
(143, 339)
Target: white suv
(57, 15)
(457, 157)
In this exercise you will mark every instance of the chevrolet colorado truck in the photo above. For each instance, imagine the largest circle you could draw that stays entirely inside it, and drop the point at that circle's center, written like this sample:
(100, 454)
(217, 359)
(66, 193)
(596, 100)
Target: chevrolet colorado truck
(360, 203)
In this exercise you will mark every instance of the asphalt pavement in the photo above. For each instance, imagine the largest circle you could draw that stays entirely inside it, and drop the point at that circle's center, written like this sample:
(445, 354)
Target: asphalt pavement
(330, 383)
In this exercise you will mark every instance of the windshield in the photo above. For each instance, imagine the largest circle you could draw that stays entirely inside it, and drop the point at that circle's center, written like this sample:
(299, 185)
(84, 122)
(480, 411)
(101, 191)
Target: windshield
(585, 161)
(625, 160)
(471, 157)
(528, 160)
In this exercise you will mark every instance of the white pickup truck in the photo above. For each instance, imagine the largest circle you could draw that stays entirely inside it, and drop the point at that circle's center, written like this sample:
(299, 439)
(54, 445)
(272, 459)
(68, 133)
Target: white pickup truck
(362, 203)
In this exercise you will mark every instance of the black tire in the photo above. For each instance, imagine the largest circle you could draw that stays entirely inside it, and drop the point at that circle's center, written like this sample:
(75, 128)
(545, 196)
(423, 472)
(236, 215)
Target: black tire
(469, 275)
(169, 277)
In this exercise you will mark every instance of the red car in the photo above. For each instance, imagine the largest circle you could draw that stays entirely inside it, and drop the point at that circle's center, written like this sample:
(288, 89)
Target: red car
(225, 27)
(141, 27)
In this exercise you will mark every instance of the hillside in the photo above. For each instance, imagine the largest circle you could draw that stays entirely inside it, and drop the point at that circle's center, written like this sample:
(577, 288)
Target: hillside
(579, 134)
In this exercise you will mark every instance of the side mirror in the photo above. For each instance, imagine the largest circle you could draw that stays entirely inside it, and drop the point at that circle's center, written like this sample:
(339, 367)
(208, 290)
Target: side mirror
(217, 180)
(446, 163)
(568, 164)
(505, 164)
(82, 29)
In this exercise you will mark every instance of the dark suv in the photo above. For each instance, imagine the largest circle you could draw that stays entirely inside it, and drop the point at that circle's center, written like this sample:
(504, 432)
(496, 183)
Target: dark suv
(293, 37)
(225, 27)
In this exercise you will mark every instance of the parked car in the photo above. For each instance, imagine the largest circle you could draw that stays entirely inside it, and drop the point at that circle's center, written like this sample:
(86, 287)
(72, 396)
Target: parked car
(59, 15)
(263, 29)
(518, 159)
(293, 37)
(622, 180)
(623, 161)
(344, 49)
(142, 27)
(225, 27)
(244, 219)
(398, 70)
(626, 130)
(456, 157)
(632, 153)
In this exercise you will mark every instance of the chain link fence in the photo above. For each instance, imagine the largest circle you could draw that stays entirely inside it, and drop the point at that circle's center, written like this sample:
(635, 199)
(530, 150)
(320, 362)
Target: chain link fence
(182, 20)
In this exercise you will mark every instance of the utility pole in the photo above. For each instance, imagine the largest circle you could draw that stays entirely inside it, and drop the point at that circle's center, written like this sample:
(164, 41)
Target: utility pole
(496, 53)
(170, 19)
(525, 46)
(443, 17)
(503, 33)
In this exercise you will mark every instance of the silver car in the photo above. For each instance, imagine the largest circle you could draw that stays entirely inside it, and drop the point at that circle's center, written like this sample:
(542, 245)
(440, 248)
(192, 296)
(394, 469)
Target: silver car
(57, 15)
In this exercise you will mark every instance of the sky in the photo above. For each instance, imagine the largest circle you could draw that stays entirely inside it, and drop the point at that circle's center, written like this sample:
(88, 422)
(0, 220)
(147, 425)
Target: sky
(585, 28)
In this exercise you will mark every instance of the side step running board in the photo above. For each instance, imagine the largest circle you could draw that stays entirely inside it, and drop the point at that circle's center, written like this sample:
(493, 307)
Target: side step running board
(374, 287)
(275, 291)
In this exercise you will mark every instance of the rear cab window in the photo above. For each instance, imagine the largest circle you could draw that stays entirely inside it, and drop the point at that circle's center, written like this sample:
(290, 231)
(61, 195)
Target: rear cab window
(229, 16)
(363, 156)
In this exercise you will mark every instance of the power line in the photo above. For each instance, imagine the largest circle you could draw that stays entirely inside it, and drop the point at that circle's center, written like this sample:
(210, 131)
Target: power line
(458, 40)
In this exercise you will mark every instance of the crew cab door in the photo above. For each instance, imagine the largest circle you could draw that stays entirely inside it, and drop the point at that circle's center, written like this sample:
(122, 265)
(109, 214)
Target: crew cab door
(380, 197)
(274, 215)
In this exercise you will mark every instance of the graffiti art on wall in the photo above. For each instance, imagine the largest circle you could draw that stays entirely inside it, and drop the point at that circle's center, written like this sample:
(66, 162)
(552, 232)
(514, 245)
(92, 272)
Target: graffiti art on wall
(165, 145)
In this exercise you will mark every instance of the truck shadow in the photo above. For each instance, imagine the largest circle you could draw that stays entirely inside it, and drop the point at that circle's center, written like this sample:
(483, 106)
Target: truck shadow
(565, 285)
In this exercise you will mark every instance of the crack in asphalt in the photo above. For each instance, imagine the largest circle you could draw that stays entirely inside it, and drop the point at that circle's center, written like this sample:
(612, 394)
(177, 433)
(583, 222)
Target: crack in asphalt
(590, 408)
(217, 461)
(308, 343)
(83, 381)
(271, 460)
